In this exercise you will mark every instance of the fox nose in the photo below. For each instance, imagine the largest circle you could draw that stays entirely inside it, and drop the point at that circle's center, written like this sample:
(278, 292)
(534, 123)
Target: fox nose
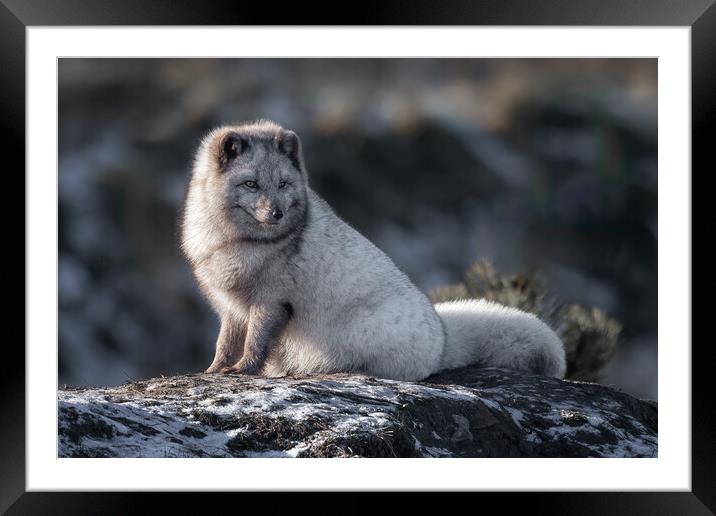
(276, 213)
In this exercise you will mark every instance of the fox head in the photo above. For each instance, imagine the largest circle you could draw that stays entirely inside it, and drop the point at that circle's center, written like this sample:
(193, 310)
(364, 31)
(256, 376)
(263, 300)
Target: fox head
(253, 178)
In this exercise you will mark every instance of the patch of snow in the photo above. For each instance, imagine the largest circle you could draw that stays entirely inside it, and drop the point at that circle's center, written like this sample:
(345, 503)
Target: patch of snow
(431, 451)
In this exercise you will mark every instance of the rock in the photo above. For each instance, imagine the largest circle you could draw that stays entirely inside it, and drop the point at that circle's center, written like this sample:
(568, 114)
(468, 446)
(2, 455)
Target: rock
(468, 412)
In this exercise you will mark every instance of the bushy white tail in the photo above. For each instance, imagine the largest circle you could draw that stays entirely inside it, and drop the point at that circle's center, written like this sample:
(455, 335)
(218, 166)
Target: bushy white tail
(480, 331)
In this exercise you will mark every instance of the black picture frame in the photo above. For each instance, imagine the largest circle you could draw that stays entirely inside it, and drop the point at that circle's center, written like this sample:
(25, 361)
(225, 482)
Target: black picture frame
(17, 15)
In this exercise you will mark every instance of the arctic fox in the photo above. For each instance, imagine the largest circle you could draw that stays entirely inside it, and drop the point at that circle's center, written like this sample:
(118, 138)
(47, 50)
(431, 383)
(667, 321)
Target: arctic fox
(301, 292)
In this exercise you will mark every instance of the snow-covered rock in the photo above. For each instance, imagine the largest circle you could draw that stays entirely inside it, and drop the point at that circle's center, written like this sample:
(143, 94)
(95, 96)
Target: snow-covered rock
(470, 412)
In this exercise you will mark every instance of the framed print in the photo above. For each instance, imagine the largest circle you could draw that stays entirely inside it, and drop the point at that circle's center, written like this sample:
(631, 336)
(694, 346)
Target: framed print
(447, 249)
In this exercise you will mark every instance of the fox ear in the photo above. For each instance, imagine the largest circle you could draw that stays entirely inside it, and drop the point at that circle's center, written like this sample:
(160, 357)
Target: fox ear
(231, 145)
(290, 145)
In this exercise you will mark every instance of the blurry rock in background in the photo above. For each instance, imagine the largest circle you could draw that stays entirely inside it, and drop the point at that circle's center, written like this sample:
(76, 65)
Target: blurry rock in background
(544, 165)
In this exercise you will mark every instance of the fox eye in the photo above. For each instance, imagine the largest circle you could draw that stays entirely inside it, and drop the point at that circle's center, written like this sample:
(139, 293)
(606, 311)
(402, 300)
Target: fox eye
(282, 184)
(251, 184)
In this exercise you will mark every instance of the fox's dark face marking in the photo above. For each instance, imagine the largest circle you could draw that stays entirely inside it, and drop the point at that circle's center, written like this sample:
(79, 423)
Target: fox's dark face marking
(264, 183)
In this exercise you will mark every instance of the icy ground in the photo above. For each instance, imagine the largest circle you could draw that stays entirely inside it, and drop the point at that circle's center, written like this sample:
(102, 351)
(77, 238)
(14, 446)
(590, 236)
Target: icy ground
(471, 412)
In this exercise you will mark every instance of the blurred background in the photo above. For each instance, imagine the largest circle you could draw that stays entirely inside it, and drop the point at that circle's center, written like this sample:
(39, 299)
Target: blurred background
(540, 166)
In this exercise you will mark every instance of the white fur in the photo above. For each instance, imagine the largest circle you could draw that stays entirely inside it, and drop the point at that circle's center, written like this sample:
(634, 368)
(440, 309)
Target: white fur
(353, 309)
(492, 334)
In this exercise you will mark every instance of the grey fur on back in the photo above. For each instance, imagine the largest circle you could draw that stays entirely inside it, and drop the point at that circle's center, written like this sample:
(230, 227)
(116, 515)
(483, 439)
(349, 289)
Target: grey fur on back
(299, 291)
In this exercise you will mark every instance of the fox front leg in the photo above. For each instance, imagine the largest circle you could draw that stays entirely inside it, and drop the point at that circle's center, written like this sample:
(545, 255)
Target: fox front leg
(266, 324)
(229, 345)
